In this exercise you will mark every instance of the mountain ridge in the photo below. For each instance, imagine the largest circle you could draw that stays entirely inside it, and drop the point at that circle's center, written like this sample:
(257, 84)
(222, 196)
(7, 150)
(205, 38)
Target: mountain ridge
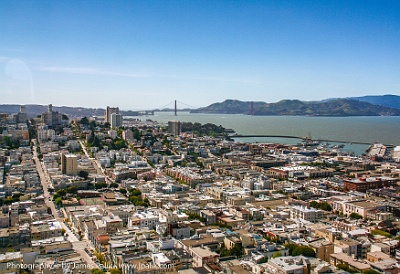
(352, 106)
(334, 107)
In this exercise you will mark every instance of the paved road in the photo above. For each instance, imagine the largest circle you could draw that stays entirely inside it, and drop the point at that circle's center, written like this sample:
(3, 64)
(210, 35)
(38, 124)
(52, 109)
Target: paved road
(95, 164)
(78, 246)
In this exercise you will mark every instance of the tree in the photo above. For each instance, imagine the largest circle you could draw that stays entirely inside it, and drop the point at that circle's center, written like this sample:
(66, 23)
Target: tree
(100, 257)
(277, 254)
(136, 133)
(10, 143)
(84, 121)
(100, 185)
(199, 162)
(71, 189)
(115, 271)
(61, 192)
(119, 144)
(323, 205)
(381, 232)
(344, 267)
(370, 271)
(303, 250)
(97, 271)
(263, 260)
(236, 250)
(123, 191)
(195, 216)
(355, 216)
(114, 185)
(58, 202)
(290, 247)
(92, 124)
(135, 192)
(84, 174)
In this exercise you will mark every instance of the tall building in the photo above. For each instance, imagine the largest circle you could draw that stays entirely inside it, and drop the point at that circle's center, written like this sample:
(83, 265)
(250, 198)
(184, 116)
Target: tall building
(51, 118)
(21, 116)
(109, 112)
(174, 127)
(116, 120)
(69, 164)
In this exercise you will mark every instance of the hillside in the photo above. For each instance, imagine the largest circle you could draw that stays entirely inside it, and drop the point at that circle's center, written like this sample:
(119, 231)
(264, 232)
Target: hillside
(336, 107)
(391, 101)
(229, 107)
(35, 110)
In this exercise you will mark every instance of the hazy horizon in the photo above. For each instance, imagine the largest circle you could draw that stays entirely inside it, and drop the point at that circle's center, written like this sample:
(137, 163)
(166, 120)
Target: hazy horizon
(144, 54)
(171, 106)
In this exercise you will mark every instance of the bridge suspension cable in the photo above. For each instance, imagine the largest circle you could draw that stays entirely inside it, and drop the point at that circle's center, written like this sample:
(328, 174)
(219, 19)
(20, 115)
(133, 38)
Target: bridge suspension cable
(166, 105)
(186, 104)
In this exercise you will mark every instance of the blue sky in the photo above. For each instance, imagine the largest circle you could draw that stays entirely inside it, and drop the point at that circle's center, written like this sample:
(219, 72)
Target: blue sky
(144, 54)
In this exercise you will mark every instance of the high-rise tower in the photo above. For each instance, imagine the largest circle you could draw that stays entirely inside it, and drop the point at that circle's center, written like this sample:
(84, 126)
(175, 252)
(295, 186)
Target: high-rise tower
(109, 111)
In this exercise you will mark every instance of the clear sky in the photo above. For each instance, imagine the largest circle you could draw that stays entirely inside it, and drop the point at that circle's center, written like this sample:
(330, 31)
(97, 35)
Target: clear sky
(144, 54)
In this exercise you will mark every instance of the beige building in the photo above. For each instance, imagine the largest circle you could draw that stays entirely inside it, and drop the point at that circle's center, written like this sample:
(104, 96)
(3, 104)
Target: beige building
(41, 230)
(113, 223)
(323, 249)
(361, 207)
(69, 164)
(202, 256)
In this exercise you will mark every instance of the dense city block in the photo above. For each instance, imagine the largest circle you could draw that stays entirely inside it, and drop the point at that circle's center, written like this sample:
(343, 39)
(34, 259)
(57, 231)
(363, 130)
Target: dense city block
(108, 194)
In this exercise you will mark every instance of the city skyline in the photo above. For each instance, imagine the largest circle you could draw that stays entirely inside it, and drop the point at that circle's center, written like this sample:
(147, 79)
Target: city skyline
(143, 54)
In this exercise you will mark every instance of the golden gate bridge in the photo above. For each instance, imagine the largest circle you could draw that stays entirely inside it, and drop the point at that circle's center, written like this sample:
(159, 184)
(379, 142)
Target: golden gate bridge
(306, 139)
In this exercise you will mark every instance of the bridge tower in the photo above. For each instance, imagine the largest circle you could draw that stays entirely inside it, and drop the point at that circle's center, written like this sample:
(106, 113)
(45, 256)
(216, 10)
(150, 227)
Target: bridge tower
(251, 108)
(176, 110)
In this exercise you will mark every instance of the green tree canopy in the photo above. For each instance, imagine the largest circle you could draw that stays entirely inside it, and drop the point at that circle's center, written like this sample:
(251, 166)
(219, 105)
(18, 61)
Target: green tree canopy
(277, 254)
(84, 174)
(84, 121)
(381, 232)
(323, 205)
(290, 247)
(71, 190)
(303, 250)
(61, 192)
(370, 271)
(58, 202)
(135, 192)
(115, 271)
(356, 216)
(97, 271)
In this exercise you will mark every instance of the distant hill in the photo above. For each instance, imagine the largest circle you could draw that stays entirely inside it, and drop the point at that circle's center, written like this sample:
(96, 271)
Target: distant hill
(391, 101)
(334, 107)
(72, 112)
(229, 107)
(35, 110)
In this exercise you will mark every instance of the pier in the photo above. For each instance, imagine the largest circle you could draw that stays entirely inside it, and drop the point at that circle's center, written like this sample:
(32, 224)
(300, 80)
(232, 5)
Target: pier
(308, 139)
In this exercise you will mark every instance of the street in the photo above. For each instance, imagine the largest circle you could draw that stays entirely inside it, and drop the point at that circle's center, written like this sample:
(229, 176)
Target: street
(78, 245)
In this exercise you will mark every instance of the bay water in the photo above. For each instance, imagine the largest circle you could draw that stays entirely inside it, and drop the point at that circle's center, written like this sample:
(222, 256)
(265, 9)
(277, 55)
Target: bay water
(347, 130)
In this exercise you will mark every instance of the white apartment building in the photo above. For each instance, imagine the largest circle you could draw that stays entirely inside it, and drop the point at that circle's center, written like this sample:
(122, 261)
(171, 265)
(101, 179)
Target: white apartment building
(305, 213)
(144, 219)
